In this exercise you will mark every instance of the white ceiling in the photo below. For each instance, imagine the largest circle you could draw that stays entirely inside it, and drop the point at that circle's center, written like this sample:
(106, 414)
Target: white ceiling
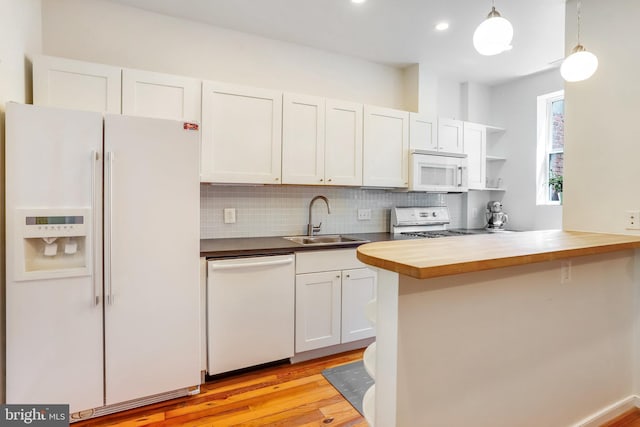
(395, 32)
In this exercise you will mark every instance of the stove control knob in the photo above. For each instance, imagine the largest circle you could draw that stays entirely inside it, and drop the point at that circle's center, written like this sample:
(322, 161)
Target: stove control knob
(434, 214)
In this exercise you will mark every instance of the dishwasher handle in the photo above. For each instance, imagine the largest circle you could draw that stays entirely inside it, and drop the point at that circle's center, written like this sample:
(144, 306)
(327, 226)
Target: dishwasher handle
(214, 266)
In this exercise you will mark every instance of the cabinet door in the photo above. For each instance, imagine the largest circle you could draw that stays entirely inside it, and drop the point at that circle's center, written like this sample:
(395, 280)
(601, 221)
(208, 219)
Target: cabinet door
(358, 288)
(76, 85)
(241, 134)
(386, 147)
(343, 143)
(302, 140)
(162, 96)
(317, 310)
(450, 135)
(423, 133)
(475, 147)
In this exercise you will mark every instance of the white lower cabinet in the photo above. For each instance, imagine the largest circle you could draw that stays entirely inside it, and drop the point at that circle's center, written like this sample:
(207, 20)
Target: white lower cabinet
(358, 288)
(317, 310)
(330, 303)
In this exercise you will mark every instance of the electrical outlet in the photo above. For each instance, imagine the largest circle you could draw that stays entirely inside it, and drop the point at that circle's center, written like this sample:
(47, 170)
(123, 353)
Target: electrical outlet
(632, 220)
(565, 272)
(229, 215)
(364, 214)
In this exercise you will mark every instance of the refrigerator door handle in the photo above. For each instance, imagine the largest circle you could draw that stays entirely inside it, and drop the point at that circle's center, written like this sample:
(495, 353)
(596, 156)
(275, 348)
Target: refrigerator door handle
(95, 158)
(108, 224)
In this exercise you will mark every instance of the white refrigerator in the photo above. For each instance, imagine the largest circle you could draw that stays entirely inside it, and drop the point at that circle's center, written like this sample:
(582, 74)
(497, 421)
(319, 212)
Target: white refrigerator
(102, 217)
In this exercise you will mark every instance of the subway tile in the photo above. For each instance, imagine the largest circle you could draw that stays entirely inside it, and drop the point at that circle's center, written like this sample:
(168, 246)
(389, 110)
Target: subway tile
(283, 210)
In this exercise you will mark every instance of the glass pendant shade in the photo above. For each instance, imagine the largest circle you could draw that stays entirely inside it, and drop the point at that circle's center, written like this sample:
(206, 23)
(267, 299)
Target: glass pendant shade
(493, 35)
(580, 65)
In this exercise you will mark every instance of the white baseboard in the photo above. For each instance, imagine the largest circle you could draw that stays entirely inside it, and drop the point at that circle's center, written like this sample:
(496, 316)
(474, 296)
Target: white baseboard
(610, 412)
(334, 349)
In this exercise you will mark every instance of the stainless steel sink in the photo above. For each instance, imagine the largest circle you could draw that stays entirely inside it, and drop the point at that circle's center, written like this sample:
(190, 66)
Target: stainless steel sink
(325, 240)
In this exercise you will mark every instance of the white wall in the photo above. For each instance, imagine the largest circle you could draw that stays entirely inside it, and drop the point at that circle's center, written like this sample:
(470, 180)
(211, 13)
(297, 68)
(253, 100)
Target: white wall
(602, 166)
(104, 32)
(19, 34)
(449, 99)
(475, 102)
(513, 346)
(513, 106)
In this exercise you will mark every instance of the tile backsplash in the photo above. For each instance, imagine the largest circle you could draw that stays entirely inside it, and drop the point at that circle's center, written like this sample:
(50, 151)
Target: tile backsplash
(284, 210)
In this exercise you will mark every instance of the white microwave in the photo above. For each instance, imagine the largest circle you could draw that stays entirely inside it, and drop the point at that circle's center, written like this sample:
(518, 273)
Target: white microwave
(438, 172)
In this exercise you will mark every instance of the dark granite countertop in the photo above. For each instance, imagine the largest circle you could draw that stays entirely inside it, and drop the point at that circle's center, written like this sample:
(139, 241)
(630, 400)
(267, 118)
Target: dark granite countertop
(276, 245)
(242, 246)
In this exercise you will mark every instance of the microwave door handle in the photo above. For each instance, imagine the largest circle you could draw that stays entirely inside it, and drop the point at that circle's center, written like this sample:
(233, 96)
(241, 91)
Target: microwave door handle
(459, 176)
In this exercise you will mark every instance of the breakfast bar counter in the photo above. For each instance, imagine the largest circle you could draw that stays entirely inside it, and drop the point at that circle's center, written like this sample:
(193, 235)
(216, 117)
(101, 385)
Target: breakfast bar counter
(425, 258)
(506, 329)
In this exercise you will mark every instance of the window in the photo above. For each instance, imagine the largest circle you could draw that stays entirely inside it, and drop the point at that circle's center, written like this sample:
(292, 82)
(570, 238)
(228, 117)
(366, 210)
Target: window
(550, 148)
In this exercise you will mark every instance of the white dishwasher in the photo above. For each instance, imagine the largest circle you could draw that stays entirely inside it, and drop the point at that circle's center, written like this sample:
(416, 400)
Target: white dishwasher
(250, 311)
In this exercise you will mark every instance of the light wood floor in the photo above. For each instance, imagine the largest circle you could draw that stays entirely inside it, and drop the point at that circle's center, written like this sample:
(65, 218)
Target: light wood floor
(285, 395)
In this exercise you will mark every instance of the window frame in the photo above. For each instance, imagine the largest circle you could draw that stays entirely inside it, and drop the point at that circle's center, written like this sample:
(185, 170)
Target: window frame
(545, 146)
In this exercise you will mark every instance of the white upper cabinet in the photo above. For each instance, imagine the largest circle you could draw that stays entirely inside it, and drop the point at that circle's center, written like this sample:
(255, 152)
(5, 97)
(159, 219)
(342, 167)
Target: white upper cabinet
(163, 96)
(321, 141)
(76, 85)
(386, 147)
(450, 134)
(303, 139)
(241, 134)
(423, 132)
(343, 143)
(475, 147)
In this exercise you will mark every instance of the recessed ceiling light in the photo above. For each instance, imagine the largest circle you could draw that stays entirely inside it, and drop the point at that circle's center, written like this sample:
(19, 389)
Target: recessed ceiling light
(358, 1)
(441, 26)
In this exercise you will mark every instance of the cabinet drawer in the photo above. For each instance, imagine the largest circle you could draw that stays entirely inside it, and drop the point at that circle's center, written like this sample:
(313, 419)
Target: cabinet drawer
(335, 259)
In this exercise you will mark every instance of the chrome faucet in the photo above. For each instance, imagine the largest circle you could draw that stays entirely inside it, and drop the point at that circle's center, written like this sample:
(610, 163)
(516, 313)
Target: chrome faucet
(312, 229)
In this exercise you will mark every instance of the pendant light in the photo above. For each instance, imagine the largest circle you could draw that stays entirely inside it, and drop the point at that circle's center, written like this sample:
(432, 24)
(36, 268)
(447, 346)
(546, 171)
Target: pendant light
(494, 34)
(580, 65)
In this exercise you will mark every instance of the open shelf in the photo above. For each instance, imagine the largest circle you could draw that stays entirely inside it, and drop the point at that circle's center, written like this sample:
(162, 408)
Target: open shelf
(495, 129)
(496, 158)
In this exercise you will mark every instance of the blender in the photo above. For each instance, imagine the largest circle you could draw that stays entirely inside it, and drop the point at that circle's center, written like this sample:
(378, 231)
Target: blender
(496, 218)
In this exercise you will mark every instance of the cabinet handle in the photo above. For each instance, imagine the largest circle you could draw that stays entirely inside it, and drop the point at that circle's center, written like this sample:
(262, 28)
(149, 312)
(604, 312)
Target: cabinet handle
(109, 222)
(321, 179)
(329, 179)
(337, 276)
(216, 266)
(95, 157)
(348, 275)
(277, 179)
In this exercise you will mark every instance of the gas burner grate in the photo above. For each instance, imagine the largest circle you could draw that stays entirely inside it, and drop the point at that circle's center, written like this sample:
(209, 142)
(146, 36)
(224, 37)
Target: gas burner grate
(433, 234)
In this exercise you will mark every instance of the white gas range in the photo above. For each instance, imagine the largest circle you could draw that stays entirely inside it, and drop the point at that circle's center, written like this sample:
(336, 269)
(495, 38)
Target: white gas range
(423, 222)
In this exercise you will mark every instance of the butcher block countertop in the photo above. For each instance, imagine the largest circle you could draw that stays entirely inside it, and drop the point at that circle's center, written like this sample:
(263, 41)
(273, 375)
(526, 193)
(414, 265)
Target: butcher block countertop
(425, 258)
